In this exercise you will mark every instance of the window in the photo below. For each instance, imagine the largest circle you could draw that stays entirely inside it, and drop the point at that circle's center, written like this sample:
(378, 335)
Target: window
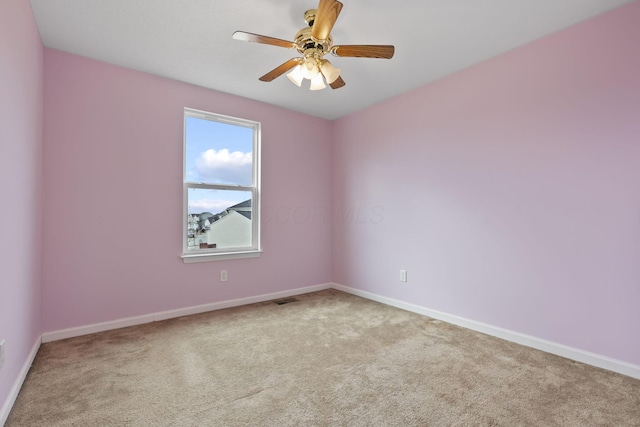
(221, 187)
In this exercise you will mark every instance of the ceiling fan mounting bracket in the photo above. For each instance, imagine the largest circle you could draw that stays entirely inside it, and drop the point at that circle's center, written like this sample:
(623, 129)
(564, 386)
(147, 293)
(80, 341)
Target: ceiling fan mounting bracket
(310, 16)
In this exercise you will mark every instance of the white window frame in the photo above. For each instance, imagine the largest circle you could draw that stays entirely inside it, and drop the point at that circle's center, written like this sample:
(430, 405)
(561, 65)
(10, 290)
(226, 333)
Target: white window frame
(214, 254)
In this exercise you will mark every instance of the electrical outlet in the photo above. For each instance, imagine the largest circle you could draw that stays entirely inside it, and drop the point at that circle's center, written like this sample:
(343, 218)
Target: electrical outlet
(223, 275)
(403, 275)
(2, 346)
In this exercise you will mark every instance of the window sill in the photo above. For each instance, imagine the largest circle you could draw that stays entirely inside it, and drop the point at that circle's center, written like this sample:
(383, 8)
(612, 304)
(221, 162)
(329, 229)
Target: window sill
(219, 256)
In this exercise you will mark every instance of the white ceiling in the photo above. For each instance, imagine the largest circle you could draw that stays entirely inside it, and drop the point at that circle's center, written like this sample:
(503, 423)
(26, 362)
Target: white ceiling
(190, 41)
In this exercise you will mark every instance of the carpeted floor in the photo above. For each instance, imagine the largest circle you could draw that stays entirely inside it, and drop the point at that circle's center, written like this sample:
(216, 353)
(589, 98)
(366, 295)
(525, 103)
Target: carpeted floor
(328, 359)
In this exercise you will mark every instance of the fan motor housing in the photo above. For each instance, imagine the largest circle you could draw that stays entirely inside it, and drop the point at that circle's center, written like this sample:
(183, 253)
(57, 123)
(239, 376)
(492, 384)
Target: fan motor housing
(305, 41)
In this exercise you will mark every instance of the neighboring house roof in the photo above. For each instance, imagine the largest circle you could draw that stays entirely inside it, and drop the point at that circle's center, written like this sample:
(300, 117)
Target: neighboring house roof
(227, 217)
(245, 204)
(243, 208)
(246, 214)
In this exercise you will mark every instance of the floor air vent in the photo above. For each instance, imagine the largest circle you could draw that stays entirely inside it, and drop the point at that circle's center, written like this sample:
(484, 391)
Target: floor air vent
(285, 300)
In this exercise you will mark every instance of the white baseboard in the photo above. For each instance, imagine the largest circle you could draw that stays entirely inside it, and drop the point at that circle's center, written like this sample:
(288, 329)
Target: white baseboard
(505, 334)
(164, 315)
(593, 359)
(578, 355)
(13, 394)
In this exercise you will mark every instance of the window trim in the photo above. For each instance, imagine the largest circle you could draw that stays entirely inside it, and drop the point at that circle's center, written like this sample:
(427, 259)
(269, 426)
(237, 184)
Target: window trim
(216, 254)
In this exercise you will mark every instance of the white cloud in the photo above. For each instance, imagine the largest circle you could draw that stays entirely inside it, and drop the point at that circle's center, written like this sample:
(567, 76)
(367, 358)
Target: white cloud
(213, 206)
(222, 166)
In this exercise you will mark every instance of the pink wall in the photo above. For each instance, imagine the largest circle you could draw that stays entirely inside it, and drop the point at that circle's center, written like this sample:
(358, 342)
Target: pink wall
(20, 188)
(509, 191)
(113, 196)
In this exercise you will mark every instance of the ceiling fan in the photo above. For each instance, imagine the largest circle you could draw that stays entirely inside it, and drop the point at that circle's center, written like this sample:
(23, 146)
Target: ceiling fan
(313, 43)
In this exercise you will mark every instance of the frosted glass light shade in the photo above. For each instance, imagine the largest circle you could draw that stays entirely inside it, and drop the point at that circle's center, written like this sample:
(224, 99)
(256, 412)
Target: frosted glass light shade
(295, 75)
(317, 83)
(309, 68)
(329, 72)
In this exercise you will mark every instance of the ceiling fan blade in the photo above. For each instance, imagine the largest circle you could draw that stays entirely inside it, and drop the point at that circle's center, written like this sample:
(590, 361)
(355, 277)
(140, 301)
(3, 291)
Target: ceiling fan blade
(338, 83)
(257, 38)
(326, 16)
(280, 70)
(364, 51)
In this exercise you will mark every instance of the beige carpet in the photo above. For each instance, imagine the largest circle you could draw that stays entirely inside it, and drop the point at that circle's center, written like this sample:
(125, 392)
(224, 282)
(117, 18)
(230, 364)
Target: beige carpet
(329, 359)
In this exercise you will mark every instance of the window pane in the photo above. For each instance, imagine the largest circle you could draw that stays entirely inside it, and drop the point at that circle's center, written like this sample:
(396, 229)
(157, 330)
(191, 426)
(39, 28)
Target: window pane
(218, 153)
(218, 219)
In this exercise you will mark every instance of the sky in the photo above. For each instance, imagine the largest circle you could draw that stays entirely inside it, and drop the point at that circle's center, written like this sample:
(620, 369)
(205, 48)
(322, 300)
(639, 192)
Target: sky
(217, 153)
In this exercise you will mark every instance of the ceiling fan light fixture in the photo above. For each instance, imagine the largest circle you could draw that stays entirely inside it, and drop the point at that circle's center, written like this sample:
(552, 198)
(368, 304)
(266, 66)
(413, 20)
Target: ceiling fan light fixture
(310, 68)
(329, 72)
(317, 83)
(296, 75)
